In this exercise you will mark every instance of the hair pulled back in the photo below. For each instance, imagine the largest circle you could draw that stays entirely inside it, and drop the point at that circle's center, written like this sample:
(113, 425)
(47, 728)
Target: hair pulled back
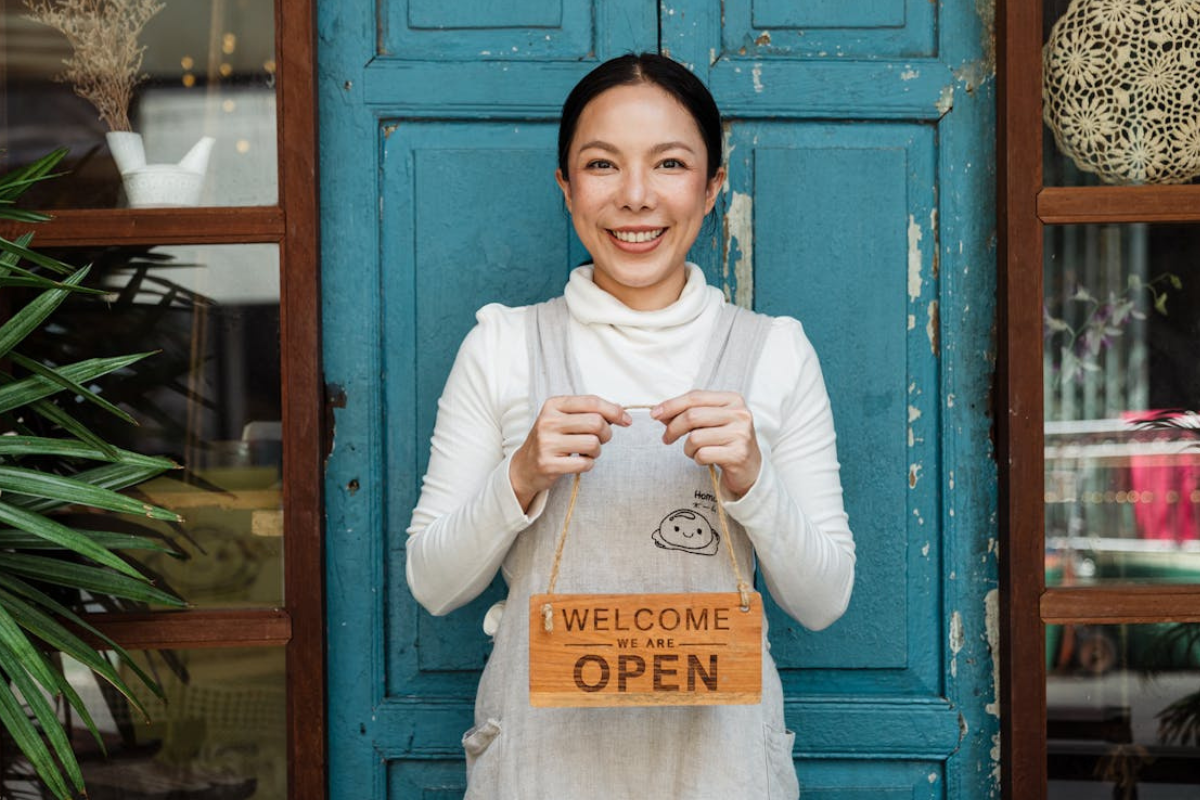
(651, 68)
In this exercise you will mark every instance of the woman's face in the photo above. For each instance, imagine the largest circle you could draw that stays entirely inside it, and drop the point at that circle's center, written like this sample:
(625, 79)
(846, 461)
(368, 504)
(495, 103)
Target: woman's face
(638, 192)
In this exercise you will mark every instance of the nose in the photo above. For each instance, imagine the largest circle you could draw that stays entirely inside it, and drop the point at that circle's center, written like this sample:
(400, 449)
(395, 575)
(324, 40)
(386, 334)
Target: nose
(637, 190)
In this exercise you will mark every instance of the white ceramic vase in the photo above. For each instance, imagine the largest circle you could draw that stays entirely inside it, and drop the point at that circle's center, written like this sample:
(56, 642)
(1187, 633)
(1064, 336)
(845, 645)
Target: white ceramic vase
(159, 185)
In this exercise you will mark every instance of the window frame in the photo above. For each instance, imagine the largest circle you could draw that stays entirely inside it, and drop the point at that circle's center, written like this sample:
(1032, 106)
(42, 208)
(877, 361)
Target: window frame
(1024, 207)
(292, 224)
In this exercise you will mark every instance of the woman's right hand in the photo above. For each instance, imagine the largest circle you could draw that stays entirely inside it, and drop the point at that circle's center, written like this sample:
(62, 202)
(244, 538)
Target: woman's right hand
(565, 440)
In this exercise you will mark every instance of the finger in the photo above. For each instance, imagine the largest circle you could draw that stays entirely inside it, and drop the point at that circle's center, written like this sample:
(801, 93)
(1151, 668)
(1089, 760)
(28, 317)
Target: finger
(593, 424)
(560, 447)
(697, 418)
(712, 437)
(668, 409)
(590, 404)
(573, 465)
(555, 462)
(716, 455)
(581, 444)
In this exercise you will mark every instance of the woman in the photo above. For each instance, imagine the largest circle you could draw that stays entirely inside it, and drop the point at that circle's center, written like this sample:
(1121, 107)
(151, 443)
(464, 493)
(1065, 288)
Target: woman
(547, 391)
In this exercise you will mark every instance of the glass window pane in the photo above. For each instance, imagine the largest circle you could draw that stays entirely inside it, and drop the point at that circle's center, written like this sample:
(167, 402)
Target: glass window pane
(209, 398)
(1122, 388)
(210, 67)
(1119, 97)
(220, 733)
(1123, 711)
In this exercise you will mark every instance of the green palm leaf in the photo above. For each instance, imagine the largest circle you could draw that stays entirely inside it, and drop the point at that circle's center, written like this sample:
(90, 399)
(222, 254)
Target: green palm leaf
(16, 181)
(25, 321)
(109, 476)
(82, 576)
(26, 390)
(11, 259)
(37, 597)
(57, 636)
(24, 665)
(71, 386)
(33, 256)
(64, 687)
(20, 540)
(37, 551)
(47, 446)
(49, 411)
(22, 215)
(26, 736)
(34, 483)
(58, 533)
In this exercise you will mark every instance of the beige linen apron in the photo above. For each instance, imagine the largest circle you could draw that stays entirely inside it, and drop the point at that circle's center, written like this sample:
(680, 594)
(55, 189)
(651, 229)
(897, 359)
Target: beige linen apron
(645, 521)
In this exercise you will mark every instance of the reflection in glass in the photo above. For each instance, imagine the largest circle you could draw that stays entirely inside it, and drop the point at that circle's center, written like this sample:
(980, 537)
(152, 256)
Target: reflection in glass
(211, 73)
(209, 398)
(220, 732)
(1122, 385)
(1123, 711)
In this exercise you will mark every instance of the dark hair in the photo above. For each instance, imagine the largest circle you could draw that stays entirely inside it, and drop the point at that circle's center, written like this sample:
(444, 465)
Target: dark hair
(670, 76)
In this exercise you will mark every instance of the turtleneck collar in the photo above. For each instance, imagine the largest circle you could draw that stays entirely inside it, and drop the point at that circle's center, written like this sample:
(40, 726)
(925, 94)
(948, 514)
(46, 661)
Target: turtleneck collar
(591, 305)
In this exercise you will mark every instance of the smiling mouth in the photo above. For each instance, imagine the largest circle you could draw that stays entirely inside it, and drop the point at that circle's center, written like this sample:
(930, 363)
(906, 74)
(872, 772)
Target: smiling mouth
(637, 237)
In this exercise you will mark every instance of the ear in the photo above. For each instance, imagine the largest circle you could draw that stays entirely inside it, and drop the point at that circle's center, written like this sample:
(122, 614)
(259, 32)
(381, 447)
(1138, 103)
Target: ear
(565, 185)
(713, 189)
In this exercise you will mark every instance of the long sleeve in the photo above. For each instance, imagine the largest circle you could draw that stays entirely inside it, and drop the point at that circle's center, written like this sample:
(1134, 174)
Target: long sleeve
(794, 513)
(468, 516)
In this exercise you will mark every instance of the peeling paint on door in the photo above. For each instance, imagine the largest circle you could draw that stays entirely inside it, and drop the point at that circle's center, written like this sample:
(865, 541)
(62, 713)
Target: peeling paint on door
(914, 259)
(991, 606)
(932, 327)
(945, 100)
(957, 637)
(739, 228)
(914, 475)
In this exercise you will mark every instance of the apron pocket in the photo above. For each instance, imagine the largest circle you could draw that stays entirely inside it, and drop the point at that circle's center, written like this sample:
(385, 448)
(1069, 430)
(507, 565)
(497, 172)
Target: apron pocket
(781, 769)
(482, 757)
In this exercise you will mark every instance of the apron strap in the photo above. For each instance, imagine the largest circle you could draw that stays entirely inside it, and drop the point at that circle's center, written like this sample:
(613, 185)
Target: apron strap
(551, 368)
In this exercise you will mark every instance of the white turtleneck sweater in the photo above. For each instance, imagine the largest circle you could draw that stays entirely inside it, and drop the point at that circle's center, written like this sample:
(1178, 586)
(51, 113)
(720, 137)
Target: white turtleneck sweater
(468, 516)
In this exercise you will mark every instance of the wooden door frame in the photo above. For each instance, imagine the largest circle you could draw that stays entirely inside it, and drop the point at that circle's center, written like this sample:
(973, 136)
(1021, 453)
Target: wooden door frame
(1024, 207)
(292, 225)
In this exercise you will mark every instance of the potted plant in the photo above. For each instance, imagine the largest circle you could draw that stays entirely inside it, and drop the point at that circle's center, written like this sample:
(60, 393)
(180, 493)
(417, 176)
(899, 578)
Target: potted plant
(44, 560)
(104, 68)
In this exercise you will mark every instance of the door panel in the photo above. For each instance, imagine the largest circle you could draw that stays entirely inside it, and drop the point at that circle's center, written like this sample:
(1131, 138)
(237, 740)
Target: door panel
(438, 151)
(830, 28)
(463, 226)
(826, 263)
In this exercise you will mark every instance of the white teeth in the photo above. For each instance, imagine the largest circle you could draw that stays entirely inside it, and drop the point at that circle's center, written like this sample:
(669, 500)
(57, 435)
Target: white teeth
(637, 237)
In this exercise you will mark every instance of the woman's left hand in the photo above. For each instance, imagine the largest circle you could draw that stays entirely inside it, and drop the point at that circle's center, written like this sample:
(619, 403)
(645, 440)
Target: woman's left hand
(719, 430)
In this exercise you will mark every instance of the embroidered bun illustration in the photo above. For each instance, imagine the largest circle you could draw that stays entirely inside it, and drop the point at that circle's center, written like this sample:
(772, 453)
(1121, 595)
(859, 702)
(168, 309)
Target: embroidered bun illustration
(687, 531)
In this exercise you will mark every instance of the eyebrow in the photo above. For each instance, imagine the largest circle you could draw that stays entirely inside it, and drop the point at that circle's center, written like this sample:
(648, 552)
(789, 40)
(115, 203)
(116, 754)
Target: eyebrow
(662, 147)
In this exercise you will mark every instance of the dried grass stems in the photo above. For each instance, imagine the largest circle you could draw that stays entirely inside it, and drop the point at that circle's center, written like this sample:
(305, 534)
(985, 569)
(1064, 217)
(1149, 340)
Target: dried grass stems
(106, 65)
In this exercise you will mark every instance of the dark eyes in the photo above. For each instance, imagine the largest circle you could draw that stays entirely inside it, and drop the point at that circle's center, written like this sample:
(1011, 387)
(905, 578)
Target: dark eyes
(601, 163)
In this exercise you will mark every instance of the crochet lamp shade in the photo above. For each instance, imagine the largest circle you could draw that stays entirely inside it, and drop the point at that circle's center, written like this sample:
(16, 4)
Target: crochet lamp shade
(1121, 89)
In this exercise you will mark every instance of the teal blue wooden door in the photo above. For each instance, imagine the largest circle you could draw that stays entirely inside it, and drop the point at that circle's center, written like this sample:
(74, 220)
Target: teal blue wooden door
(859, 200)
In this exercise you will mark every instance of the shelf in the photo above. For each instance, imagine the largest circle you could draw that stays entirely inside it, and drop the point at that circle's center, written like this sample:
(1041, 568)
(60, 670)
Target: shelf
(90, 227)
(1122, 604)
(1074, 205)
(207, 628)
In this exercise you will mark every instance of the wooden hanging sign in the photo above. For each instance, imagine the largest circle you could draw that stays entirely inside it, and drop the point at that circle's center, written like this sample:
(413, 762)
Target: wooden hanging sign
(605, 650)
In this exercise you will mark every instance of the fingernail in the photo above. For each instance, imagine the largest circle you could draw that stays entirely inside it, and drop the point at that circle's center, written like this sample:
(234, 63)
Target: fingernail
(654, 412)
(626, 419)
